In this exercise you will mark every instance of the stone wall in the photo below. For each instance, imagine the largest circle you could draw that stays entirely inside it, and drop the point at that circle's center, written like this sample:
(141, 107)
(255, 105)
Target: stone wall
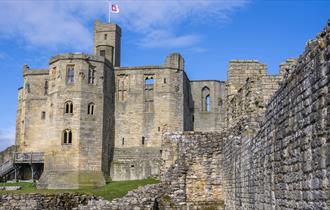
(249, 89)
(36, 201)
(281, 160)
(192, 172)
(214, 118)
(149, 100)
(7, 154)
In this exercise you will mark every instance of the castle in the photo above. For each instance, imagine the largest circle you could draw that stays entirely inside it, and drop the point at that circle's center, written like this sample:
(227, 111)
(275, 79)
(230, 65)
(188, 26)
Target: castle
(91, 120)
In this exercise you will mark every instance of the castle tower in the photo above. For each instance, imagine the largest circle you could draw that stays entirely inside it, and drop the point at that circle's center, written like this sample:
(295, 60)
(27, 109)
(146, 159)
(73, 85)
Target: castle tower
(107, 38)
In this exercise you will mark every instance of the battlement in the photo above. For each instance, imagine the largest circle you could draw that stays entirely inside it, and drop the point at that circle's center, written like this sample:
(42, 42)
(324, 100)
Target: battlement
(99, 26)
(78, 56)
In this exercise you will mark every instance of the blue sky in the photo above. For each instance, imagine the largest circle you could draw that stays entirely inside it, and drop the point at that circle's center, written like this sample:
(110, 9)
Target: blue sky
(208, 33)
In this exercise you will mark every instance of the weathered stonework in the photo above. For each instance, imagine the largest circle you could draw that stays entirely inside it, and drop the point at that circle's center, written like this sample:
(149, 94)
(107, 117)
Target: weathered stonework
(35, 201)
(267, 145)
(281, 161)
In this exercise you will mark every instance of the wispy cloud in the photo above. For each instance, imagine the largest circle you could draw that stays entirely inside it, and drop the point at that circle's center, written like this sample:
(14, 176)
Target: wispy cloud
(65, 23)
(160, 39)
(7, 138)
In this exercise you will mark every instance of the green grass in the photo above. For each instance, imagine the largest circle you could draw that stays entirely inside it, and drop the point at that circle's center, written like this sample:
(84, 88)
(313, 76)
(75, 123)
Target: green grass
(109, 191)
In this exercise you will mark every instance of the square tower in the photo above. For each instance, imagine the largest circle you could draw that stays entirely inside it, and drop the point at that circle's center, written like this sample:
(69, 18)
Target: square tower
(107, 40)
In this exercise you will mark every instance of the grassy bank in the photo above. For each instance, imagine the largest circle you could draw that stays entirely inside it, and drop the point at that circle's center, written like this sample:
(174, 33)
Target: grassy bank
(109, 191)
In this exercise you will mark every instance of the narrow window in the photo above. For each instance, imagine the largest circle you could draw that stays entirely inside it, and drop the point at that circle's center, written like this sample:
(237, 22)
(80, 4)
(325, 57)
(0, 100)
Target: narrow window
(70, 74)
(206, 100)
(46, 87)
(70, 137)
(102, 53)
(105, 36)
(43, 115)
(90, 110)
(193, 118)
(164, 80)
(123, 141)
(67, 136)
(91, 76)
(158, 129)
(27, 86)
(143, 140)
(208, 104)
(68, 107)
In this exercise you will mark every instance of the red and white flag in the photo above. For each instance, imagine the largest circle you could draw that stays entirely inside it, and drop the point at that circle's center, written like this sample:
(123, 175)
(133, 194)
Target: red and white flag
(114, 8)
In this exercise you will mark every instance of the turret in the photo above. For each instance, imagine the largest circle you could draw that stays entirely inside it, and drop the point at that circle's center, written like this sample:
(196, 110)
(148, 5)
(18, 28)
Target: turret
(107, 38)
(175, 60)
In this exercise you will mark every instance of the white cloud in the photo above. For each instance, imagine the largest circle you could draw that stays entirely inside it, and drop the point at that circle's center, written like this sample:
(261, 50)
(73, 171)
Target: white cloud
(7, 138)
(160, 38)
(64, 23)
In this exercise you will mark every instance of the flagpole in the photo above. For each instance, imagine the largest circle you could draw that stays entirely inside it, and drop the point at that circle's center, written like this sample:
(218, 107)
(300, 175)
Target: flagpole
(109, 11)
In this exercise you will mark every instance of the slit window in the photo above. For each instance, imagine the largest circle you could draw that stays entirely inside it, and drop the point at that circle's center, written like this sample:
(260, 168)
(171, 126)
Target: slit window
(143, 140)
(90, 109)
(46, 87)
(67, 136)
(105, 36)
(122, 141)
(43, 115)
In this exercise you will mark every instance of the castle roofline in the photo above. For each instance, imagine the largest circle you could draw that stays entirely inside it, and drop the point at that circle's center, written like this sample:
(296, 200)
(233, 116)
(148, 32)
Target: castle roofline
(160, 67)
(100, 26)
(244, 61)
(78, 56)
(207, 81)
(140, 67)
(36, 72)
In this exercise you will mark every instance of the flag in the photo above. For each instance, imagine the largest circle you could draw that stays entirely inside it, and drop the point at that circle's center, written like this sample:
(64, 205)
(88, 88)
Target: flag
(114, 8)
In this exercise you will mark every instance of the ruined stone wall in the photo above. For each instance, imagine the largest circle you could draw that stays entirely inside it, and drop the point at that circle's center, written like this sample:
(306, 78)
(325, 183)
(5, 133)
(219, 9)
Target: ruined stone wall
(240, 70)
(214, 118)
(192, 172)
(7, 154)
(37, 201)
(248, 89)
(281, 161)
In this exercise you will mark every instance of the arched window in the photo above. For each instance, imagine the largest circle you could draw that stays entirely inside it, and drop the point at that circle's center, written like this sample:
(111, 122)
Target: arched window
(68, 107)
(67, 136)
(206, 100)
(90, 110)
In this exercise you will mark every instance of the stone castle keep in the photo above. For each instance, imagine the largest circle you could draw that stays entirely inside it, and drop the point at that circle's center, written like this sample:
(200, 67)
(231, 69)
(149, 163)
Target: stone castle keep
(255, 141)
(93, 120)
